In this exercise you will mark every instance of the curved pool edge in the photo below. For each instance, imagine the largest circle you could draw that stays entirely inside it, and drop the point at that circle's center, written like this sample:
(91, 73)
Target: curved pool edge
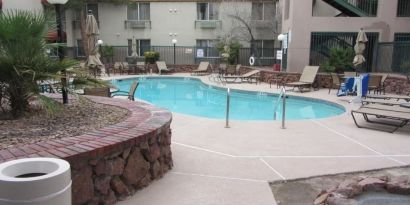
(220, 87)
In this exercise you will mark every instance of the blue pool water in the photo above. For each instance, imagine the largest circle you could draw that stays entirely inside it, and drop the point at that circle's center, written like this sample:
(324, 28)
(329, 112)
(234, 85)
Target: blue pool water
(191, 96)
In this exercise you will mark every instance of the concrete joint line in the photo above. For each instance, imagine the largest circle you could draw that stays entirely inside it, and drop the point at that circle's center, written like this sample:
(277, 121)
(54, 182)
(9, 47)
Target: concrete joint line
(273, 169)
(357, 142)
(219, 177)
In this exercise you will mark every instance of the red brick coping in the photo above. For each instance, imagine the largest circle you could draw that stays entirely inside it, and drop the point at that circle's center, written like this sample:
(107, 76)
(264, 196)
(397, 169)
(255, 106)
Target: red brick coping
(113, 162)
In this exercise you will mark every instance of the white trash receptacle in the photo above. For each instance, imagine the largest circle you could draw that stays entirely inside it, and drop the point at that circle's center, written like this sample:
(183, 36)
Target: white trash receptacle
(35, 181)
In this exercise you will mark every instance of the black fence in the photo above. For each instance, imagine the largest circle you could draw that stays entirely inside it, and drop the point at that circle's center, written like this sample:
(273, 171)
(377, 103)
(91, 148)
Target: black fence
(393, 57)
(321, 44)
(183, 54)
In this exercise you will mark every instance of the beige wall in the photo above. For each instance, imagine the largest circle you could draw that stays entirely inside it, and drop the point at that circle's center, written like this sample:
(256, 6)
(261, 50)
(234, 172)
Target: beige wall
(33, 5)
(301, 23)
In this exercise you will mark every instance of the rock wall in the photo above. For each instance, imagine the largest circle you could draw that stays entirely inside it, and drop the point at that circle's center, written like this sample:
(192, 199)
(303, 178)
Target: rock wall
(111, 163)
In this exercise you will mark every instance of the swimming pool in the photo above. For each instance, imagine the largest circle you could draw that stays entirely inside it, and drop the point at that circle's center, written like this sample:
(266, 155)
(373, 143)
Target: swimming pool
(191, 96)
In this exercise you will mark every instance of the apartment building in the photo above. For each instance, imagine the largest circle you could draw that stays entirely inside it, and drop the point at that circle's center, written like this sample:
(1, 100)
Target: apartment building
(314, 26)
(158, 22)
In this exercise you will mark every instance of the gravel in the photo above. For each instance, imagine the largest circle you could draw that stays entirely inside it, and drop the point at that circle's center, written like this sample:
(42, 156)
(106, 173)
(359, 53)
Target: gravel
(78, 117)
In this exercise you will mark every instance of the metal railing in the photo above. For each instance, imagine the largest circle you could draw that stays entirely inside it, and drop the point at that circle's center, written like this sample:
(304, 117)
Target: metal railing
(137, 24)
(369, 7)
(208, 24)
(228, 99)
(403, 8)
(282, 96)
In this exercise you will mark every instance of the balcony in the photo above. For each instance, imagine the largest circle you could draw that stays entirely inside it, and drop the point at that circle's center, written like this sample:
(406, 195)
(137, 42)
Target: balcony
(260, 24)
(208, 24)
(137, 24)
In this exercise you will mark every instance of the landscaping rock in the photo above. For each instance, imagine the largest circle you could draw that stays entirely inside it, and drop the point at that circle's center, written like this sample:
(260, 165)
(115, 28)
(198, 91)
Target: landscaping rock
(119, 187)
(115, 167)
(136, 167)
(102, 184)
(321, 199)
(372, 184)
(83, 188)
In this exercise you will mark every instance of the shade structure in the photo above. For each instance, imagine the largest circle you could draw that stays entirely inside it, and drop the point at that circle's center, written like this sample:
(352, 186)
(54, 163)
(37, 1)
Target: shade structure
(359, 48)
(92, 32)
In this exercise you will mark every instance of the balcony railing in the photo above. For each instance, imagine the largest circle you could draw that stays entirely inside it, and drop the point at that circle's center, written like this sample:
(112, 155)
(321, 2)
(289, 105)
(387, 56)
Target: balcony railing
(208, 24)
(137, 24)
(356, 8)
(262, 24)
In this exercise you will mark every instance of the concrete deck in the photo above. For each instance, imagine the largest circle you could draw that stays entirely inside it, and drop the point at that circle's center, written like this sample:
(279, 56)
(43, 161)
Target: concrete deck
(216, 165)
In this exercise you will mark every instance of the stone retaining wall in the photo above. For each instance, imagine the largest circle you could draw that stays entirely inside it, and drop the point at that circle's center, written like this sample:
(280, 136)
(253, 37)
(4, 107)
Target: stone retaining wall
(113, 162)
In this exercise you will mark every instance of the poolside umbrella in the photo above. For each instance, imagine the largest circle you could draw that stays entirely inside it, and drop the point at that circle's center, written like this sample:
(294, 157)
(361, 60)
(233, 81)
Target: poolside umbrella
(92, 32)
(134, 53)
(359, 48)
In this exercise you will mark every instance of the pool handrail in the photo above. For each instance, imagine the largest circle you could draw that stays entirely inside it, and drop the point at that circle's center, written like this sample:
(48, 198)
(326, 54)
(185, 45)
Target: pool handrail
(282, 95)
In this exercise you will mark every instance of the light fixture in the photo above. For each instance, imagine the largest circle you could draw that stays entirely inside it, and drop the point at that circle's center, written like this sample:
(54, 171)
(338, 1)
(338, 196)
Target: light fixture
(174, 41)
(57, 1)
(281, 37)
(100, 42)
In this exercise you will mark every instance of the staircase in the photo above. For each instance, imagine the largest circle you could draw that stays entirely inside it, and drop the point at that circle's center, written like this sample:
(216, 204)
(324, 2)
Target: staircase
(355, 8)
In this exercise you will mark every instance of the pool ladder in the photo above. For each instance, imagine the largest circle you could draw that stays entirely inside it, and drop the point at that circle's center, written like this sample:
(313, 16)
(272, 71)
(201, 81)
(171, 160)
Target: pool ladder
(282, 95)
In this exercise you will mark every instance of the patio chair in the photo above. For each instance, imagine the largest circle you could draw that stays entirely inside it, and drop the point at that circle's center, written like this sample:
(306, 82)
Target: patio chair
(350, 74)
(117, 68)
(130, 94)
(382, 86)
(306, 79)
(141, 67)
(335, 82)
(380, 101)
(374, 83)
(382, 115)
(126, 68)
(202, 68)
(248, 77)
(162, 67)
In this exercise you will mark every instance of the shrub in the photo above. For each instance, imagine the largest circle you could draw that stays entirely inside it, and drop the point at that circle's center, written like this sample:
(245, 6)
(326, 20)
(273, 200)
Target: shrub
(151, 56)
(340, 60)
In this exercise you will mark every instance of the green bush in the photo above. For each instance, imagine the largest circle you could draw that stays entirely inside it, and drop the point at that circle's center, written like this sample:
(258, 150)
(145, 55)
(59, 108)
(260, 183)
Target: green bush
(234, 48)
(340, 60)
(151, 56)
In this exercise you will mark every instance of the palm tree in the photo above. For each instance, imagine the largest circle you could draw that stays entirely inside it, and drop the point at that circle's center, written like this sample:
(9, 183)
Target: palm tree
(23, 59)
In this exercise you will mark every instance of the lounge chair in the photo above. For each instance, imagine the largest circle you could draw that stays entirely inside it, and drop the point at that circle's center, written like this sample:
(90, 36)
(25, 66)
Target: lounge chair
(380, 101)
(99, 91)
(388, 97)
(403, 118)
(306, 79)
(202, 68)
(248, 77)
(374, 82)
(394, 108)
(350, 74)
(162, 67)
(130, 94)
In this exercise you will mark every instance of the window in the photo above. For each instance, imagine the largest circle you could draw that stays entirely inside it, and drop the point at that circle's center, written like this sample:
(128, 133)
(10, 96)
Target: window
(207, 11)
(403, 8)
(88, 7)
(208, 47)
(265, 48)
(138, 11)
(141, 46)
(263, 11)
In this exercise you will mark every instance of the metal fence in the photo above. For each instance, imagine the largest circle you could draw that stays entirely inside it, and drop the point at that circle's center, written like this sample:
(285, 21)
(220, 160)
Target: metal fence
(403, 8)
(393, 57)
(322, 42)
(183, 54)
(367, 6)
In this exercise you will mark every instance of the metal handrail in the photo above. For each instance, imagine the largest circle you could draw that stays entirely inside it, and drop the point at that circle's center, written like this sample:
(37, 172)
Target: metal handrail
(228, 99)
(282, 95)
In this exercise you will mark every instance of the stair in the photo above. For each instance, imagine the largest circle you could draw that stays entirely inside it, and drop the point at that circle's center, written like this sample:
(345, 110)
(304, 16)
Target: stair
(349, 8)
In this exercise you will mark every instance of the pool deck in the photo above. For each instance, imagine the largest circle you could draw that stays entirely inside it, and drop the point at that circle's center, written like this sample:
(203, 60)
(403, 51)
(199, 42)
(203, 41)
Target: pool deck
(232, 166)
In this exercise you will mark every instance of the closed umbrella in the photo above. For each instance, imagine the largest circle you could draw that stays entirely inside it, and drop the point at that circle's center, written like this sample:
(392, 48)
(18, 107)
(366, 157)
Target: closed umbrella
(134, 53)
(359, 48)
(92, 32)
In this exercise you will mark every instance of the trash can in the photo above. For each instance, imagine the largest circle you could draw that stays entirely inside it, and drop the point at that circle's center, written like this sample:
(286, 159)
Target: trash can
(35, 181)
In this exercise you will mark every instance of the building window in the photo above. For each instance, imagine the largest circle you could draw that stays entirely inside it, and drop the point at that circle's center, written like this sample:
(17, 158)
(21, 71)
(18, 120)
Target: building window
(207, 11)
(138, 11)
(265, 48)
(142, 46)
(88, 7)
(263, 11)
(403, 8)
(208, 48)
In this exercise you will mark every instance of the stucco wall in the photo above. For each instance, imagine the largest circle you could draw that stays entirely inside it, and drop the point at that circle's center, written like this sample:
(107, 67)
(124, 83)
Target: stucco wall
(33, 5)
(301, 23)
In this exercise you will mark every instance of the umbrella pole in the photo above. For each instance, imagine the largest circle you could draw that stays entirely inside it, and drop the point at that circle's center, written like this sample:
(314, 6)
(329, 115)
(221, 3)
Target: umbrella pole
(61, 53)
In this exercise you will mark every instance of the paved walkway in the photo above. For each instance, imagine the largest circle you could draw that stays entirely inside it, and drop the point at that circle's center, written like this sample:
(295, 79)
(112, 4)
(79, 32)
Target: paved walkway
(216, 165)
